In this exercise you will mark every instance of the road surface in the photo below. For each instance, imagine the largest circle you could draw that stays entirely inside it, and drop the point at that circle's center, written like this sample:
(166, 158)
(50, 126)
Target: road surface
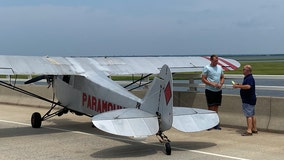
(72, 137)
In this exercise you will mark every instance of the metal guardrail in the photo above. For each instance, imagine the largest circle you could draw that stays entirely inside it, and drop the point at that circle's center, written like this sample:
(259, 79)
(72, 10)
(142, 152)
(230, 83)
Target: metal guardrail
(191, 85)
(229, 86)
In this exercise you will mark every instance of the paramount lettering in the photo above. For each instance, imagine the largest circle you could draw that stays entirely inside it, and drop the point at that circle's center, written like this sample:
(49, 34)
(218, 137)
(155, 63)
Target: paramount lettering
(97, 104)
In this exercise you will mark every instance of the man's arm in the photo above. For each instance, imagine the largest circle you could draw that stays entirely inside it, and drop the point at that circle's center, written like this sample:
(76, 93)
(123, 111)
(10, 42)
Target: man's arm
(217, 85)
(222, 79)
(246, 86)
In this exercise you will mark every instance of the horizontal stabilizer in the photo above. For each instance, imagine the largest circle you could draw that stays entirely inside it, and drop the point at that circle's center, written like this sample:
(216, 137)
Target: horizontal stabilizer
(127, 122)
(193, 119)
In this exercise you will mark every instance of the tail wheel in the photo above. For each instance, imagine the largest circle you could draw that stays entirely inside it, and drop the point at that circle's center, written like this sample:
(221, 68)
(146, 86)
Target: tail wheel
(36, 120)
(168, 148)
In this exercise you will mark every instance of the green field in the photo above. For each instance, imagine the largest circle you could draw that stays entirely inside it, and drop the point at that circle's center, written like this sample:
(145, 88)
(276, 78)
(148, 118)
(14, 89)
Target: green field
(262, 68)
(261, 64)
(259, 68)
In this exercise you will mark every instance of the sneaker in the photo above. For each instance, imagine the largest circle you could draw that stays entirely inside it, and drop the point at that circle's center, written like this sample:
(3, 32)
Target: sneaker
(255, 132)
(247, 134)
(217, 127)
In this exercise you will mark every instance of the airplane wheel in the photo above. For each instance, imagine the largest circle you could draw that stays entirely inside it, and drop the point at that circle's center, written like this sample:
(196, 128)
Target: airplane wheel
(36, 120)
(168, 148)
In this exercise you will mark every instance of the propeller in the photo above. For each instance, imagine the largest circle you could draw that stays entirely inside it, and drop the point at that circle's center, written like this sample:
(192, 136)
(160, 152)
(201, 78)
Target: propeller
(41, 77)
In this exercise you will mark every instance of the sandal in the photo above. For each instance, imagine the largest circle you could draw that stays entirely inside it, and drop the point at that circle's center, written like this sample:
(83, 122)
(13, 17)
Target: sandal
(247, 134)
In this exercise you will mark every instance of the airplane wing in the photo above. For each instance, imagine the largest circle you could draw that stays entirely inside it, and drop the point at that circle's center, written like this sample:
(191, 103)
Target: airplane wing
(127, 122)
(37, 65)
(26, 65)
(141, 65)
(193, 119)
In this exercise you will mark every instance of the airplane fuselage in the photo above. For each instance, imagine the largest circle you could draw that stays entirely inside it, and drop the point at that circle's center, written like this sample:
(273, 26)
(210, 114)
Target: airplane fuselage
(81, 95)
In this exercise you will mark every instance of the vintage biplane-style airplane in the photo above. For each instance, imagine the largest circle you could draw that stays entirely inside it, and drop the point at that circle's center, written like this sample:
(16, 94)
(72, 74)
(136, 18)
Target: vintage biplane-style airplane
(83, 85)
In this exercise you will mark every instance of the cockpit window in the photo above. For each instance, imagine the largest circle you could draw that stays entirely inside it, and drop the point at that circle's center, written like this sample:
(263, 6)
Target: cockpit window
(66, 78)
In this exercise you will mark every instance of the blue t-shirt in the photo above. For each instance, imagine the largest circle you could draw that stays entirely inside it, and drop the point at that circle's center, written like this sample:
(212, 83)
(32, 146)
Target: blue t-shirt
(213, 74)
(248, 95)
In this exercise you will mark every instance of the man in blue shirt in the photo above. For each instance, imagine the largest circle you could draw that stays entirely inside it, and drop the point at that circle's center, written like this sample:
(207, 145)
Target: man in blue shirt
(248, 96)
(213, 77)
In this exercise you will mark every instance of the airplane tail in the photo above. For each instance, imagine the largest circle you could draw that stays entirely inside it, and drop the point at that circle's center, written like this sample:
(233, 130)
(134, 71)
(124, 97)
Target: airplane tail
(156, 113)
(159, 99)
(153, 115)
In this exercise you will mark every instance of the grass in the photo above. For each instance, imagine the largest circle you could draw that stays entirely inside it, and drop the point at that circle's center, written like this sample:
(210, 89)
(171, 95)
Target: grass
(259, 68)
(14, 76)
(262, 68)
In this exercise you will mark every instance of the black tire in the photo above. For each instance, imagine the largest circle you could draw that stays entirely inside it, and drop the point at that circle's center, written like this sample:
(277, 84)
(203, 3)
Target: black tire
(36, 120)
(168, 148)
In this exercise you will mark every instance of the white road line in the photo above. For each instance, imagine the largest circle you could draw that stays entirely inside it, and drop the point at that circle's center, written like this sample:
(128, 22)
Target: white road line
(88, 134)
(218, 155)
(24, 124)
(207, 153)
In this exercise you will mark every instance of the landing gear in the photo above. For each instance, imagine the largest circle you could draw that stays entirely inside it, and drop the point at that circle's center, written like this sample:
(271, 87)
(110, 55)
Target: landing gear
(164, 139)
(36, 120)
(168, 148)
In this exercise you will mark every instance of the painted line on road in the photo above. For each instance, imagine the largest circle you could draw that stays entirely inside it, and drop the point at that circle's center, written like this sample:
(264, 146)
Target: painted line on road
(207, 153)
(52, 128)
(24, 124)
(89, 134)
(217, 155)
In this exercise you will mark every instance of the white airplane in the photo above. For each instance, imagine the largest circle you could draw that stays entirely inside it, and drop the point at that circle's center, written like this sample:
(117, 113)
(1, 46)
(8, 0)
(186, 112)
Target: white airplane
(82, 85)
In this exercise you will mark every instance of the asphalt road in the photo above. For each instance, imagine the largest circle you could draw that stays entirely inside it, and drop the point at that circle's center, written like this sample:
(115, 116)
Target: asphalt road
(72, 137)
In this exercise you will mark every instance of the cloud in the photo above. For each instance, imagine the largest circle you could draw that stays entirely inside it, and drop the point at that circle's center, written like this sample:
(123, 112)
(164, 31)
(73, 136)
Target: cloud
(140, 27)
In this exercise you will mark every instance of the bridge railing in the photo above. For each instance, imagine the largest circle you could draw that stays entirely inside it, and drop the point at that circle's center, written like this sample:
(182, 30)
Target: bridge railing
(192, 86)
(189, 81)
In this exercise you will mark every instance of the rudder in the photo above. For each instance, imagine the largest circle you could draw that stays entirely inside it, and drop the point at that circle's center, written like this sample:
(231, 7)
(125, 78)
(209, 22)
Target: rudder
(159, 98)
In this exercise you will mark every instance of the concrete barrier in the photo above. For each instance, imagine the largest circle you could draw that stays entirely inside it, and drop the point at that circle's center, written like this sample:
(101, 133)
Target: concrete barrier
(269, 110)
(9, 96)
(277, 114)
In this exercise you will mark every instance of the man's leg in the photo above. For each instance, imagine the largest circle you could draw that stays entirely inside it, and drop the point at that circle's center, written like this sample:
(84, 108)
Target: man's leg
(215, 108)
(249, 127)
(249, 124)
(254, 129)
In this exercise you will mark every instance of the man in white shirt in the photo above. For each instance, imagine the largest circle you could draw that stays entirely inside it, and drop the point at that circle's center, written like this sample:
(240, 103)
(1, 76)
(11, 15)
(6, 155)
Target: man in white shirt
(213, 77)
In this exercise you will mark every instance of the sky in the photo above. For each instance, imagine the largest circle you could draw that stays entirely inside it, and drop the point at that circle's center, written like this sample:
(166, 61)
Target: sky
(141, 27)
